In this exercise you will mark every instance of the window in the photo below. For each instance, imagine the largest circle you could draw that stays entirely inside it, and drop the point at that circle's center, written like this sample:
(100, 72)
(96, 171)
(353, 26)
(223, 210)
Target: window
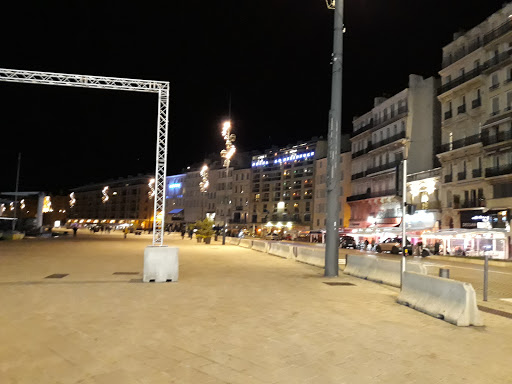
(509, 101)
(495, 106)
(476, 64)
(495, 81)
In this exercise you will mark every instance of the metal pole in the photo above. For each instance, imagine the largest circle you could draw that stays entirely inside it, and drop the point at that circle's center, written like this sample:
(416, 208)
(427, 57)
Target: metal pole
(16, 193)
(334, 144)
(486, 276)
(404, 206)
(225, 213)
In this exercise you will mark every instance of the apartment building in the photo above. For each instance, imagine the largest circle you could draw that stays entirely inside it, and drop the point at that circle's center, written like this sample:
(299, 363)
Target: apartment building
(407, 120)
(476, 101)
(320, 190)
(282, 182)
(121, 201)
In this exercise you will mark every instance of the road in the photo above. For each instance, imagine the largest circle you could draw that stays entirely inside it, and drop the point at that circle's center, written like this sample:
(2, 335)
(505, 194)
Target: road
(500, 278)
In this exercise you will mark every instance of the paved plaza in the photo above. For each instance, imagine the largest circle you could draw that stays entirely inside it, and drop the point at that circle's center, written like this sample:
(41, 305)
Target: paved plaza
(235, 316)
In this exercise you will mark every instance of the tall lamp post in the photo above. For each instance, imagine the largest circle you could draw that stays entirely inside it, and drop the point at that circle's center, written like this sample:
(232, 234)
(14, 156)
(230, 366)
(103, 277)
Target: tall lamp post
(334, 145)
(404, 209)
(227, 154)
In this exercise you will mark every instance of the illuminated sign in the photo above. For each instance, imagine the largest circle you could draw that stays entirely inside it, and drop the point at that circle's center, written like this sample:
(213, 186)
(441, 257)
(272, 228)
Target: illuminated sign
(175, 186)
(285, 159)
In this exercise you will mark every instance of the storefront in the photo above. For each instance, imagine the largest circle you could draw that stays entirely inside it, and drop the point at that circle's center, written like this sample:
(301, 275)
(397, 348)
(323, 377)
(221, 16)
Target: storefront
(485, 220)
(470, 242)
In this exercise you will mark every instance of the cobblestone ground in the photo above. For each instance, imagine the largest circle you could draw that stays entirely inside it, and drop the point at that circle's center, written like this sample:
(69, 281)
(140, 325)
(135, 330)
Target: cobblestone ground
(235, 316)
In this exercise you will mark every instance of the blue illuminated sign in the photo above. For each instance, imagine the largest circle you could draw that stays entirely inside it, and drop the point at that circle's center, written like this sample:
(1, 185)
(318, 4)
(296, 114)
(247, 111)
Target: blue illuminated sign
(300, 156)
(175, 186)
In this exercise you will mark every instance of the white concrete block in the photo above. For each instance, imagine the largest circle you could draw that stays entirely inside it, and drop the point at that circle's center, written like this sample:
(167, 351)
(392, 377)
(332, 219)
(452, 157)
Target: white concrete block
(311, 255)
(261, 246)
(450, 300)
(160, 264)
(245, 243)
(282, 250)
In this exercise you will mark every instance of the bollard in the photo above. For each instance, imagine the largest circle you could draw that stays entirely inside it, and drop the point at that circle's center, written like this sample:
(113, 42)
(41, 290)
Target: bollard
(444, 272)
(486, 276)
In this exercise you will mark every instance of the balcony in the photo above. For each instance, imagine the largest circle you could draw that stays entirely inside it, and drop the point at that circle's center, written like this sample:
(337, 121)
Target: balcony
(391, 139)
(364, 128)
(448, 178)
(265, 190)
(477, 173)
(461, 109)
(383, 167)
(370, 195)
(448, 115)
(265, 199)
(239, 208)
(308, 197)
(495, 139)
(362, 151)
(500, 170)
(460, 80)
(473, 203)
(470, 140)
(461, 176)
(296, 197)
(358, 175)
(476, 103)
(477, 43)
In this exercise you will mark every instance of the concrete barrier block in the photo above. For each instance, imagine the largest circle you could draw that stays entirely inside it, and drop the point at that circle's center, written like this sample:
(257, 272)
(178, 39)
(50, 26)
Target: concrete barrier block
(282, 250)
(311, 255)
(450, 300)
(245, 243)
(380, 270)
(234, 240)
(261, 246)
(160, 264)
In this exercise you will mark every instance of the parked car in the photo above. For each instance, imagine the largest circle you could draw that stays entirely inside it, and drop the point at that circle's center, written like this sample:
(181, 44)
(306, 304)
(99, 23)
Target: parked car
(393, 245)
(347, 242)
(272, 236)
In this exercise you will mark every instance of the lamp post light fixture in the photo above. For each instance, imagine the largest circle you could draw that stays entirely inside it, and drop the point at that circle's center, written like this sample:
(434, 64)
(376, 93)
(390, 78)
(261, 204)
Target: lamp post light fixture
(227, 154)
(203, 186)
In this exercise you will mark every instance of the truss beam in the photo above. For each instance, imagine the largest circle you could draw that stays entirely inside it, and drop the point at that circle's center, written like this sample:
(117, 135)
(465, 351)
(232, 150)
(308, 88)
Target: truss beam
(119, 84)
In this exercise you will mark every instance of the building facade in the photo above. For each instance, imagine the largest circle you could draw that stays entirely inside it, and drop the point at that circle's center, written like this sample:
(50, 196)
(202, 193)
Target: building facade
(121, 201)
(476, 149)
(282, 182)
(320, 193)
(407, 121)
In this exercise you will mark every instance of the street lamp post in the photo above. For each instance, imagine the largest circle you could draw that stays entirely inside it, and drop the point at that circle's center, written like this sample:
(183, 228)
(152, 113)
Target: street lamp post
(227, 154)
(334, 145)
(404, 208)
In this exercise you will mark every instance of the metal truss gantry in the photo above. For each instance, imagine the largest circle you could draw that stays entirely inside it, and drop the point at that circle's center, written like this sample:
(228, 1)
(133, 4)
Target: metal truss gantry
(120, 84)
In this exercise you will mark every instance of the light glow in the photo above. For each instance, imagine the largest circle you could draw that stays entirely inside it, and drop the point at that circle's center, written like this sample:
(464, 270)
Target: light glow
(22, 204)
(151, 186)
(72, 200)
(105, 196)
(47, 204)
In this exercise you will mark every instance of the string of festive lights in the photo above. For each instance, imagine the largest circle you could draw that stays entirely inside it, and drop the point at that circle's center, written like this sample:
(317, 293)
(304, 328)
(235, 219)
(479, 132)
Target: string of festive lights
(105, 196)
(151, 186)
(72, 200)
(204, 184)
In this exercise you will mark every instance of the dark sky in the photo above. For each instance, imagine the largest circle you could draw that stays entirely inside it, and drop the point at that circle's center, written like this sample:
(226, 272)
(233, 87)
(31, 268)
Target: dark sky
(272, 56)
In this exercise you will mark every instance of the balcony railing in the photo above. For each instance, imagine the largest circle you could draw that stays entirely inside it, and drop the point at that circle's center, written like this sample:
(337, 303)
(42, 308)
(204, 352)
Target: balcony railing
(461, 109)
(448, 178)
(460, 80)
(476, 103)
(364, 128)
(499, 170)
(494, 139)
(370, 195)
(460, 143)
(448, 115)
(477, 173)
(473, 203)
(384, 120)
(477, 43)
(358, 175)
(461, 176)
(391, 139)
(383, 167)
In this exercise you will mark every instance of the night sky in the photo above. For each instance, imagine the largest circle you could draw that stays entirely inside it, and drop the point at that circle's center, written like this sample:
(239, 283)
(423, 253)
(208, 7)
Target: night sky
(273, 57)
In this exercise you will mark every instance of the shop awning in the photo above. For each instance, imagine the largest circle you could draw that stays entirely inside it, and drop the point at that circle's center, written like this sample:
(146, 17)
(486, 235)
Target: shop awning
(177, 210)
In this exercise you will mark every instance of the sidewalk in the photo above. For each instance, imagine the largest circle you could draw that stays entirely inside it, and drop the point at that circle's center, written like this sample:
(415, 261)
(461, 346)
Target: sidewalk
(235, 316)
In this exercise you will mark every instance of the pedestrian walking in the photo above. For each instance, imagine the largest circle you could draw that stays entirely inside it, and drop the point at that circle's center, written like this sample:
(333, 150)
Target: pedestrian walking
(183, 233)
(126, 230)
(75, 230)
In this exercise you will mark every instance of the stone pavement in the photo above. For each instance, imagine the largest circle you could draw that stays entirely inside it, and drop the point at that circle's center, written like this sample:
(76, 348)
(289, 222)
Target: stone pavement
(235, 316)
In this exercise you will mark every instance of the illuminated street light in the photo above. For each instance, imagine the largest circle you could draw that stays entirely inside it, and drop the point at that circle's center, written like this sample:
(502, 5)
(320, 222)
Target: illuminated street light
(204, 184)
(47, 204)
(227, 155)
(72, 200)
(151, 186)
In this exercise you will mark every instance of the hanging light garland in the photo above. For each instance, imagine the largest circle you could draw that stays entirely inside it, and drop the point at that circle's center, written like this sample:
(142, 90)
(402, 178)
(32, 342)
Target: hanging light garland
(105, 196)
(151, 186)
(72, 200)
